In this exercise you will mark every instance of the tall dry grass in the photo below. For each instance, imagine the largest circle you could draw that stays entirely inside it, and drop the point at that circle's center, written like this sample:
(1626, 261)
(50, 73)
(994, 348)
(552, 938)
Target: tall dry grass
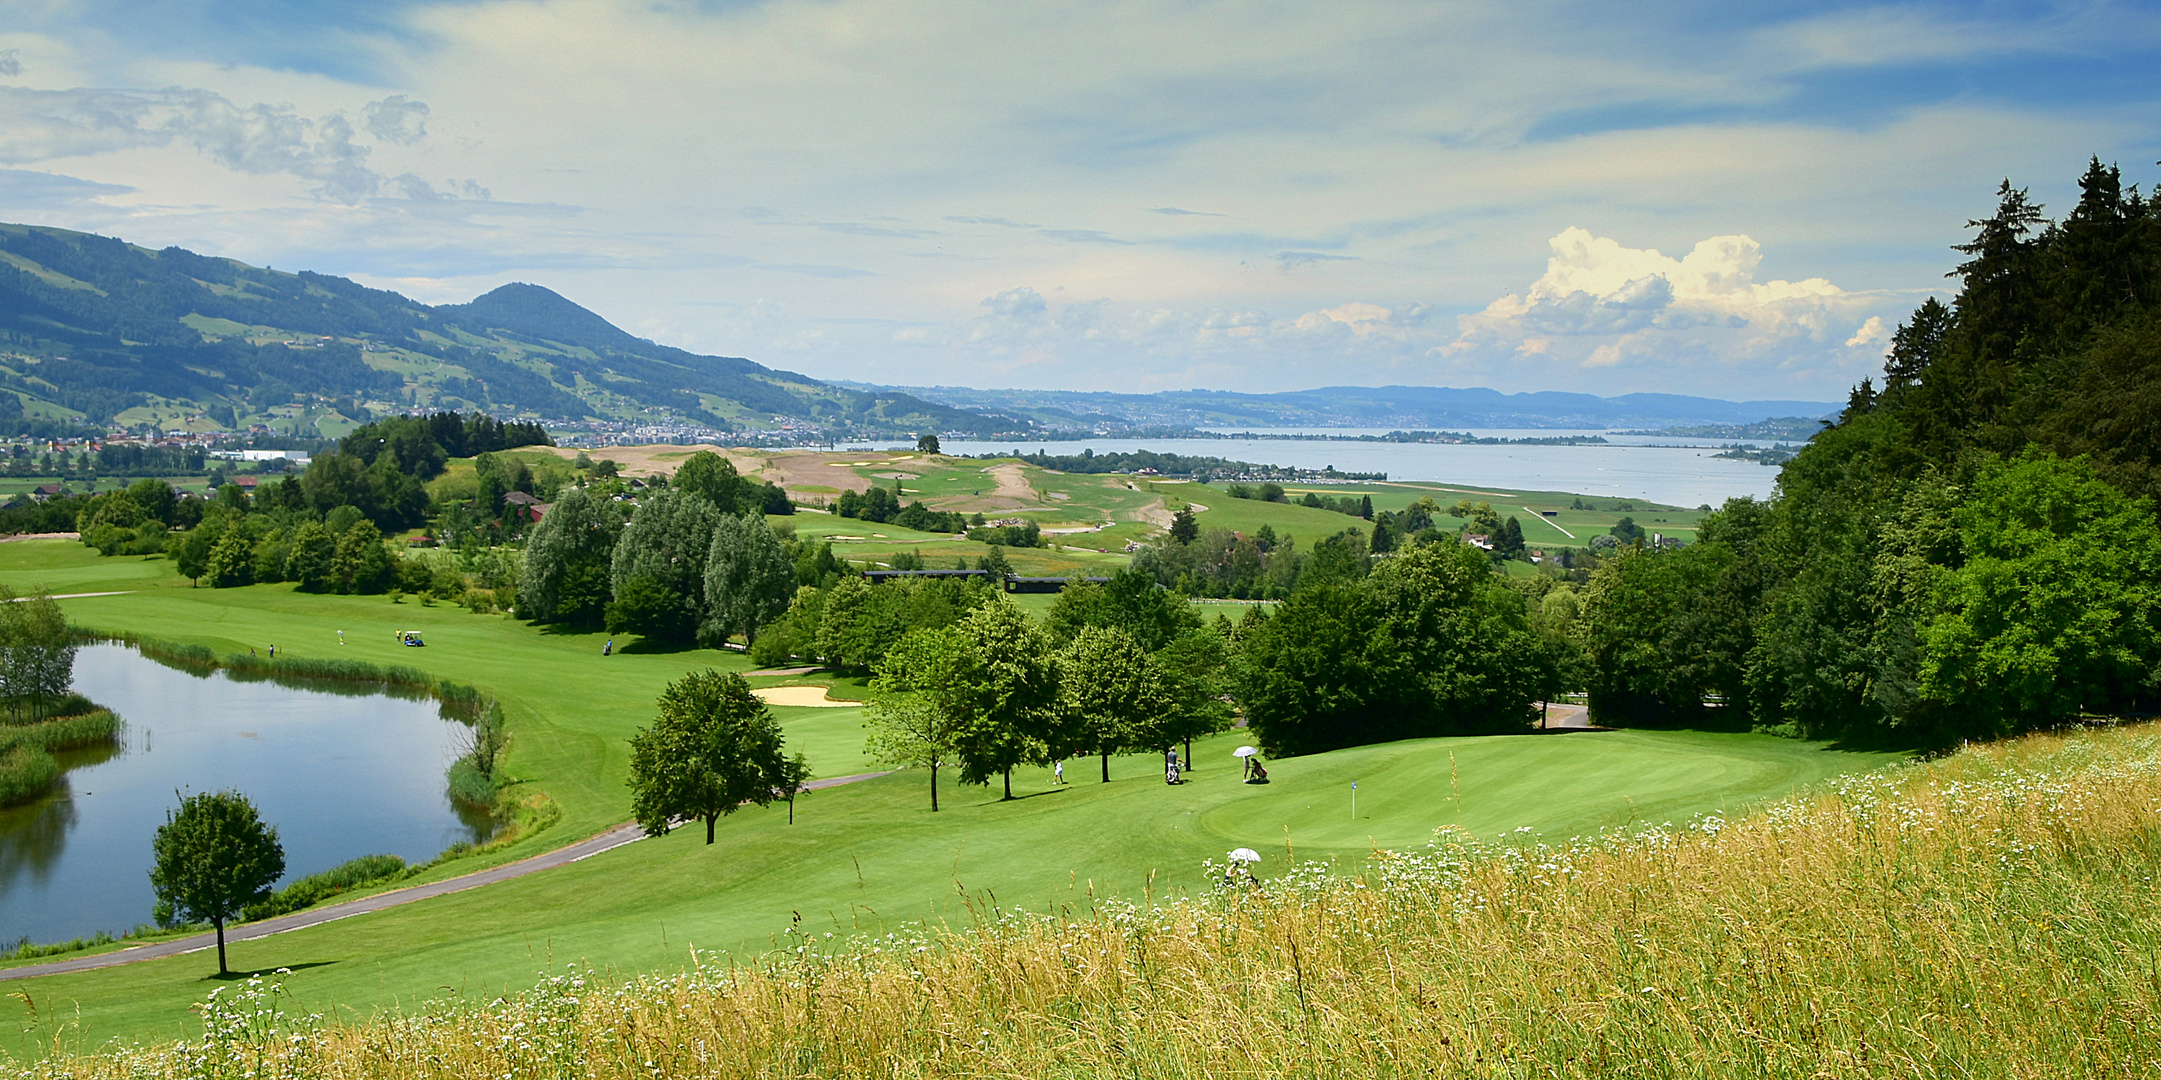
(1988, 914)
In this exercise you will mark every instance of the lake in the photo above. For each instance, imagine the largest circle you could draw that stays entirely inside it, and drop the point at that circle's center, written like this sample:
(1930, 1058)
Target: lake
(340, 774)
(1631, 468)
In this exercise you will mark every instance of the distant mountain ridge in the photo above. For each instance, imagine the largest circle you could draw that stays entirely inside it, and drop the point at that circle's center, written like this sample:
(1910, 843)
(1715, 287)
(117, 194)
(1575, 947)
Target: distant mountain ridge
(1406, 407)
(98, 331)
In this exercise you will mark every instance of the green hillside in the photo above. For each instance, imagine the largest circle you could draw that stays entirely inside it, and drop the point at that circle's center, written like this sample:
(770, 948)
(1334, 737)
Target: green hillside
(95, 331)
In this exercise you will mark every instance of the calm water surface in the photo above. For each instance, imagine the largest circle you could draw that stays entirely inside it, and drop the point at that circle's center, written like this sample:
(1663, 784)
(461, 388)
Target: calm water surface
(340, 775)
(1676, 475)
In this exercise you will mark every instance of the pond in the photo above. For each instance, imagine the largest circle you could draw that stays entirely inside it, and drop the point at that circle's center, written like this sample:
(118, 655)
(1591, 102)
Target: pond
(340, 772)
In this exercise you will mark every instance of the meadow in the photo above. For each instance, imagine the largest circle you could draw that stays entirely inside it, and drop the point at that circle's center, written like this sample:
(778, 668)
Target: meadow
(1987, 914)
(867, 857)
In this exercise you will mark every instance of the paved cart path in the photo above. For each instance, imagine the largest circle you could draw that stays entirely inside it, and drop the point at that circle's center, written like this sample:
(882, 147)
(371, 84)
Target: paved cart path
(627, 833)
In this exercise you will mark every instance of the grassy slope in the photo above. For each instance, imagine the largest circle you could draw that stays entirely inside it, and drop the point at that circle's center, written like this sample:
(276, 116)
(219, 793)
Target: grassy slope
(1307, 524)
(859, 855)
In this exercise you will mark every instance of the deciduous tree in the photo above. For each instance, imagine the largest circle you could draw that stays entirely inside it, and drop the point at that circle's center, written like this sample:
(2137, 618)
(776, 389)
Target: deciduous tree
(213, 857)
(664, 550)
(714, 478)
(919, 700)
(748, 578)
(713, 748)
(1113, 694)
(567, 560)
(1015, 689)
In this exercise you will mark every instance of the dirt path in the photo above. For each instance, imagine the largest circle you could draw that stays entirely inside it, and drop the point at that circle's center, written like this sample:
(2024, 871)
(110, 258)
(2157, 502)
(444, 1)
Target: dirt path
(1013, 484)
(627, 833)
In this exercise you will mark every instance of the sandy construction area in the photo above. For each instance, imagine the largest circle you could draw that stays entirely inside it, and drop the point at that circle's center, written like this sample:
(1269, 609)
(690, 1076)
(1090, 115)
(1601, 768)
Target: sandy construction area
(812, 696)
(663, 459)
(798, 469)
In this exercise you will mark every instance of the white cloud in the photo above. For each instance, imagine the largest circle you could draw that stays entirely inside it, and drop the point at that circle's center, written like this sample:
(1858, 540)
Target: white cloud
(1300, 202)
(1602, 304)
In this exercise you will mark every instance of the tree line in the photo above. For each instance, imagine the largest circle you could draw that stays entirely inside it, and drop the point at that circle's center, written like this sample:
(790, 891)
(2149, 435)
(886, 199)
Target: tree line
(1969, 550)
(691, 560)
(1115, 667)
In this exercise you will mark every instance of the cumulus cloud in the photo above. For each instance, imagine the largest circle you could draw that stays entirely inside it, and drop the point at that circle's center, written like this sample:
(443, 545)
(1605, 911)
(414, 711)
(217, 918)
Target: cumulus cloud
(1602, 304)
(11, 62)
(258, 139)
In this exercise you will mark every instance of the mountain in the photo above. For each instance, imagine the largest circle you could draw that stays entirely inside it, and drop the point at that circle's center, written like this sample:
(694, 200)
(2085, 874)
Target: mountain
(1406, 407)
(97, 331)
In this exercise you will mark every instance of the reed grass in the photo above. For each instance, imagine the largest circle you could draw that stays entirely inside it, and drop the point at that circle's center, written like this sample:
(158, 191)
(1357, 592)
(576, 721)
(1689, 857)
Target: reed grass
(98, 727)
(305, 669)
(1988, 914)
(26, 772)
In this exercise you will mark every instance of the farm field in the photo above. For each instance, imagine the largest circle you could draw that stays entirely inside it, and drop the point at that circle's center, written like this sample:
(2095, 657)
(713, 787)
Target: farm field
(862, 857)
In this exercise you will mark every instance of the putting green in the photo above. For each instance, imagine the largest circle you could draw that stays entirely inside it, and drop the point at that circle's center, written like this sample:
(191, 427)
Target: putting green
(1559, 784)
(865, 857)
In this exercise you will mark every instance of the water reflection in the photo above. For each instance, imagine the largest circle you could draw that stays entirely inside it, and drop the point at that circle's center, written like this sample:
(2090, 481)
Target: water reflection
(340, 769)
(32, 837)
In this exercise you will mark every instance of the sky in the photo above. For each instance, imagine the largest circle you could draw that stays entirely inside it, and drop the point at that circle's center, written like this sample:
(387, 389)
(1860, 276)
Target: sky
(1731, 200)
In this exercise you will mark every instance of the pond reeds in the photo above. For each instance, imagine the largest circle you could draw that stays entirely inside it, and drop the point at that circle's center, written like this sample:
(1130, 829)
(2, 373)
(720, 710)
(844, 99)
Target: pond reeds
(1988, 914)
(27, 766)
(202, 660)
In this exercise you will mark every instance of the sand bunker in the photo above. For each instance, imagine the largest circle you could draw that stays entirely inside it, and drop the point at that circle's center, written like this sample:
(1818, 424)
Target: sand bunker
(812, 696)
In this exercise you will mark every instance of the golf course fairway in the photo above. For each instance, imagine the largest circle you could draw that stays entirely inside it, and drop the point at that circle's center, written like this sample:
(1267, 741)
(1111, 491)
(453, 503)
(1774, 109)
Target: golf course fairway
(863, 858)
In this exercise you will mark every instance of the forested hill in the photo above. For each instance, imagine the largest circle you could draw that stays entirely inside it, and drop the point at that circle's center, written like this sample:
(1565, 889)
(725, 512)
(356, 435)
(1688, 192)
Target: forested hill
(1972, 548)
(96, 330)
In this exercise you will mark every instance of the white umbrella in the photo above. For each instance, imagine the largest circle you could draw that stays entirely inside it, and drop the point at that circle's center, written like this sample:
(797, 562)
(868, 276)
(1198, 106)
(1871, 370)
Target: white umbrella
(1245, 854)
(1244, 751)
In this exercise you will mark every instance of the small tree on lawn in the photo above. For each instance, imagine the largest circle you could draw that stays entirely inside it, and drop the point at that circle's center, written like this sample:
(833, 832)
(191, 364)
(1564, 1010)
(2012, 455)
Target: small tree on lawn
(920, 700)
(213, 857)
(1016, 685)
(1114, 694)
(713, 748)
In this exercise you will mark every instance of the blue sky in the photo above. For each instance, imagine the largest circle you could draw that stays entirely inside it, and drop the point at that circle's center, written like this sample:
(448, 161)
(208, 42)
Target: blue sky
(1735, 200)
